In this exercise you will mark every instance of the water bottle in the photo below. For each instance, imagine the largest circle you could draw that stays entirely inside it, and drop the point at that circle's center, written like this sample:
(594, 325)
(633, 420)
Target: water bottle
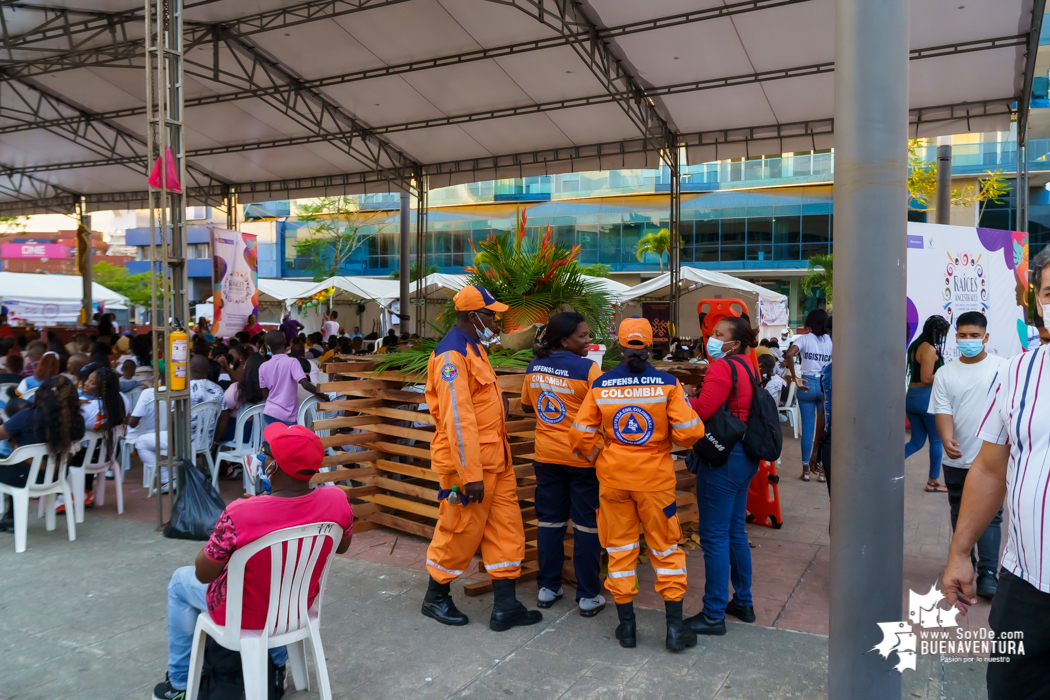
(454, 497)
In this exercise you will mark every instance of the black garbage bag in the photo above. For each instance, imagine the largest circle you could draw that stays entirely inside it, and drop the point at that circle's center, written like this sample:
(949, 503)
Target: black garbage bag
(197, 507)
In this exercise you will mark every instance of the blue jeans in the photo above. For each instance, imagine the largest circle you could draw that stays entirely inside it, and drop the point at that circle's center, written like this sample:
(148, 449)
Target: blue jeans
(563, 492)
(721, 494)
(808, 400)
(186, 600)
(922, 422)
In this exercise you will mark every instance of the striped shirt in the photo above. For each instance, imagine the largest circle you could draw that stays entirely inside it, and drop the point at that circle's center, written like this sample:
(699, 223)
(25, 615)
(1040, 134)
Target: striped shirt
(1009, 418)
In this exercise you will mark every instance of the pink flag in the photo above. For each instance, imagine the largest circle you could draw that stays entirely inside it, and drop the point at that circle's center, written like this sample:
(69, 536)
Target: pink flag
(171, 178)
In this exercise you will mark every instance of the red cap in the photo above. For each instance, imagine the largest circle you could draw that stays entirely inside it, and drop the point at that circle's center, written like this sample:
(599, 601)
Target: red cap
(295, 448)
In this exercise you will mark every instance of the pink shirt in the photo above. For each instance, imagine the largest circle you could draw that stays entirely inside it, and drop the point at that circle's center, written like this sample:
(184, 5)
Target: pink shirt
(281, 374)
(246, 520)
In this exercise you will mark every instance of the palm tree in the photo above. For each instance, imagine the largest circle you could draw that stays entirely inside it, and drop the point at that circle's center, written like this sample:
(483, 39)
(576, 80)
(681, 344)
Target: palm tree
(819, 276)
(656, 243)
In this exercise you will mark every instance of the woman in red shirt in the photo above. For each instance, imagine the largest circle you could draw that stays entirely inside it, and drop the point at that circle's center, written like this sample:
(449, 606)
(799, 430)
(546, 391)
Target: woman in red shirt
(721, 492)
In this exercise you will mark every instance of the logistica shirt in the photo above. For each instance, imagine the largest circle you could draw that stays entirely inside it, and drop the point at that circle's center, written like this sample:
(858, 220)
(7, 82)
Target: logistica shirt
(555, 386)
(961, 391)
(814, 352)
(1014, 415)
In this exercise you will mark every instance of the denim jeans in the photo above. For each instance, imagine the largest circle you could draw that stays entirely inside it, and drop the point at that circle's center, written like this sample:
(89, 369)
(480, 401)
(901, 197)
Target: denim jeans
(988, 543)
(721, 495)
(808, 400)
(922, 423)
(186, 600)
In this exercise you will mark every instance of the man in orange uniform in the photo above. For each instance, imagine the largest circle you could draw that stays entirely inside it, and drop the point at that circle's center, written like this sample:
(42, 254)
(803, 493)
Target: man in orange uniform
(640, 411)
(471, 453)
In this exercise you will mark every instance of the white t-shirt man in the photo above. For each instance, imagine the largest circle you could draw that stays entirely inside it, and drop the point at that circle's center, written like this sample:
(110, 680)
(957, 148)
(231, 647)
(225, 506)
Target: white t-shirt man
(814, 352)
(960, 390)
(330, 328)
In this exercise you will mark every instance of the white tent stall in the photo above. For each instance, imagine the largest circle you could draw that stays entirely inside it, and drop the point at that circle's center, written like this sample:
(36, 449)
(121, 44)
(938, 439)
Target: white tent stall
(380, 297)
(48, 300)
(696, 284)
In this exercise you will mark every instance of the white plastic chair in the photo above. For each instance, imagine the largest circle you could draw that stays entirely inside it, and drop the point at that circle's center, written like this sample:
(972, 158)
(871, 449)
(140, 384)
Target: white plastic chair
(95, 462)
(308, 413)
(206, 415)
(290, 619)
(160, 407)
(791, 409)
(28, 395)
(237, 449)
(54, 483)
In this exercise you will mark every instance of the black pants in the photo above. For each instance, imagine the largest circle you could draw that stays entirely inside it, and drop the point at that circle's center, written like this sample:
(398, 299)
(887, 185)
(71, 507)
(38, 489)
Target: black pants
(988, 544)
(1021, 607)
(563, 492)
(825, 459)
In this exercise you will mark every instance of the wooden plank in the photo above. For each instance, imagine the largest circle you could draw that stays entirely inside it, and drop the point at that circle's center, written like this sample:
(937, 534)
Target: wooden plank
(404, 504)
(361, 525)
(402, 432)
(348, 404)
(360, 370)
(403, 524)
(527, 492)
(344, 422)
(357, 385)
(523, 448)
(403, 450)
(385, 484)
(400, 414)
(343, 475)
(407, 469)
(342, 439)
(358, 491)
(351, 458)
(524, 425)
(363, 509)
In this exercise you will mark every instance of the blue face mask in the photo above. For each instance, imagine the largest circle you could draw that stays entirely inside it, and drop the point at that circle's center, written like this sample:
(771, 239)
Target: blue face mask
(484, 333)
(970, 347)
(714, 349)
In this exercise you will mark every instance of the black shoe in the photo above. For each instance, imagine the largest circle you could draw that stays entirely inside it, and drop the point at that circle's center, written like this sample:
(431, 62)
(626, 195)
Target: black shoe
(702, 624)
(164, 691)
(627, 630)
(520, 616)
(679, 636)
(986, 587)
(744, 613)
(438, 605)
(7, 524)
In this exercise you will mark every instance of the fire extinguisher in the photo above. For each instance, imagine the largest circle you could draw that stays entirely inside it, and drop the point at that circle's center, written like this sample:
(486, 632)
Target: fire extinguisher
(178, 354)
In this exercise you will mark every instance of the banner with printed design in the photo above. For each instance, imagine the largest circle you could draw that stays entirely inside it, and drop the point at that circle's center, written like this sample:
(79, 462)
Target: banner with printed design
(955, 269)
(235, 273)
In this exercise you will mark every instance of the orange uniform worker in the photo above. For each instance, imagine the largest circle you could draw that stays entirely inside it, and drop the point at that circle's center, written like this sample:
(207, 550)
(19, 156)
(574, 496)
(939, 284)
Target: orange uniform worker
(640, 411)
(555, 385)
(471, 452)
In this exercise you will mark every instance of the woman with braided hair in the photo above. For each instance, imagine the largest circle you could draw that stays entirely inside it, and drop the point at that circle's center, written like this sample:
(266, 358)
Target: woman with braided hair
(566, 485)
(103, 408)
(54, 419)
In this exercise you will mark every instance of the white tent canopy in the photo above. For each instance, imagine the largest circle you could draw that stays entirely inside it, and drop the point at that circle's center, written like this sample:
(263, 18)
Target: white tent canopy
(278, 290)
(45, 300)
(461, 90)
(693, 278)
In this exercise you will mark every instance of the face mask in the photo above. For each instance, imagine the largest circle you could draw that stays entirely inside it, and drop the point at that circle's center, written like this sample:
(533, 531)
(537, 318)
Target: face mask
(970, 347)
(714, 349)
(1046, 314)
(484, 333)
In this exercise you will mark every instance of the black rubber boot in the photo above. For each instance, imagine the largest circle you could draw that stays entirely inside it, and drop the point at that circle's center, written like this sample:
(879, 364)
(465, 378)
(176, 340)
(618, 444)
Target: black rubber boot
(437, 604)
(507, 611)
(627, 630)
(679, 636)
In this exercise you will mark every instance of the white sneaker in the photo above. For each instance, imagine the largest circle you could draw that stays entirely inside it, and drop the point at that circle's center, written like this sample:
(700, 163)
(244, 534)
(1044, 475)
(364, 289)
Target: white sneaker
(547, 597)
(589, 607)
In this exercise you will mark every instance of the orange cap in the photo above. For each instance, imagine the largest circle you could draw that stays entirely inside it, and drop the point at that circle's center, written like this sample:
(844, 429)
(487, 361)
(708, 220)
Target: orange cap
(635, 332)
(474, 298)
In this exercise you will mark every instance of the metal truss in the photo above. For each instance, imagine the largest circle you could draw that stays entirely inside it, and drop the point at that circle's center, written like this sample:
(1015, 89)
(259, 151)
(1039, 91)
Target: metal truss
(30, 191)
(80, 34)
(566, 17)
(465, 57)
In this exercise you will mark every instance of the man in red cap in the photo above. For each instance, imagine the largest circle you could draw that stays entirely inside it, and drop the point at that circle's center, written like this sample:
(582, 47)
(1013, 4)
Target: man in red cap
(471, 454)
(294, 456)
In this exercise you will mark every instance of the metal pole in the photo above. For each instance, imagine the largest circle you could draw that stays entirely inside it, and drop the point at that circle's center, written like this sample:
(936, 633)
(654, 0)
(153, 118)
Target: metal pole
(867, 496)
(405, 231)
(422, 191)
(944, 183)
(86, 270)
(1021, 181)
(674, 255)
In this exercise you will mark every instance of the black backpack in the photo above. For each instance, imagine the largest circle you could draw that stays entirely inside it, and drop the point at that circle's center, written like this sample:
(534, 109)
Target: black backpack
(721, 434)
(763, 439)
(223, 679)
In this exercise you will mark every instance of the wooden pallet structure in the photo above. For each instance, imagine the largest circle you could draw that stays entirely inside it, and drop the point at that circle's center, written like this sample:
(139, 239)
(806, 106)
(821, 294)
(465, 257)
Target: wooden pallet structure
(392, 483)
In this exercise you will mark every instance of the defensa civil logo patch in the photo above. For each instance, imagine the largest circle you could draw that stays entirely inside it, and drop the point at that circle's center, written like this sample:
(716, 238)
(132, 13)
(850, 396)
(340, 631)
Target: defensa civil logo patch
(632, 425)
(550, 408)
(449, 372)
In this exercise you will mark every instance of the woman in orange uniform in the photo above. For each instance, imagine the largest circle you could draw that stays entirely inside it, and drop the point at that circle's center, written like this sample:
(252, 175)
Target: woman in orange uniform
(566, 486)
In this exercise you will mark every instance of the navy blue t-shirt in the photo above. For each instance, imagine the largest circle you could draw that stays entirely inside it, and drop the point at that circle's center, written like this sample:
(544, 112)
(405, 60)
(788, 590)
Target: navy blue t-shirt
(24, 428)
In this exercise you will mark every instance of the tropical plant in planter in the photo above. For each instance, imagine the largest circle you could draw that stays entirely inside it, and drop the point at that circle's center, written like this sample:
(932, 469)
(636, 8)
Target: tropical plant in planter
(536, 278)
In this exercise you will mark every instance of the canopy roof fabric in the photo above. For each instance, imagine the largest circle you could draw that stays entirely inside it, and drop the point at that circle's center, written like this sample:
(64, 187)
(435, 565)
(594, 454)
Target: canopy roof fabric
(364, 288)
(693, 278)
(297, 98)
(440, 285)
(282, 290)
(54, 289)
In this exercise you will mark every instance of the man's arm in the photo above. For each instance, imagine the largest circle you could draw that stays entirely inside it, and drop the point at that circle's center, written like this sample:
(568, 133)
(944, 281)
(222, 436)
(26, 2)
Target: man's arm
(309, 386)
(982, 498)
(586, 429)
(458, 420)
(207, 568)
(946, 429)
